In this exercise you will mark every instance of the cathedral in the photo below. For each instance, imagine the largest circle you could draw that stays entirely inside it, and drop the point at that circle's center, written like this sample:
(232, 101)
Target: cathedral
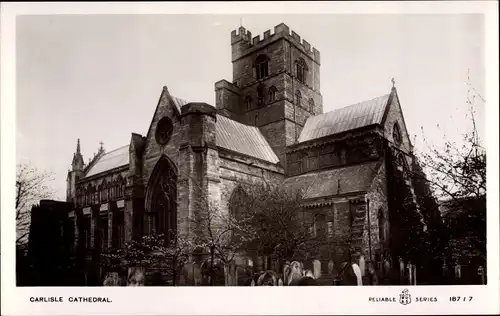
(267, 124)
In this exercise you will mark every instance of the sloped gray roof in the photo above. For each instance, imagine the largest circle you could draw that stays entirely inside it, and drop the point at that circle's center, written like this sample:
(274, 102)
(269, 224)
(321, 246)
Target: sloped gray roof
(244, 139)
(178, 102)
(348, 118)
(110, 160)
(335, 181)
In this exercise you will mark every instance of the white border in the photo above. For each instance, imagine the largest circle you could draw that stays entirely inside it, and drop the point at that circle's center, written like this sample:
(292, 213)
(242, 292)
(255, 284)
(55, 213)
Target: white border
(328, 300)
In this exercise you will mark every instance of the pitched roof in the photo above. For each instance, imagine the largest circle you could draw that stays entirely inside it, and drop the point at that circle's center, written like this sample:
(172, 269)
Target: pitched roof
(348, 118)
(244, 139)
(335, 181)
(110, 160)
(178, 102)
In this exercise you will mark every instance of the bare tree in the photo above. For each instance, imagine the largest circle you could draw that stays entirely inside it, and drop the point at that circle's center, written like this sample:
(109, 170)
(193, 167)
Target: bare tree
(31, 187)
(278, 226)
(456, 173)
(220, 234)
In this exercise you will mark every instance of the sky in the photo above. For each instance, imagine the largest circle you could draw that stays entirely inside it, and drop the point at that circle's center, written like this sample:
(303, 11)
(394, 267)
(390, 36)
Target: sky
(99, 77)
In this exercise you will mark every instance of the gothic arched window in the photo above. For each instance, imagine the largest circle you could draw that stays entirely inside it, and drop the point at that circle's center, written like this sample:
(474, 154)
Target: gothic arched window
(248, 102)
(298, 98)
(119, 186)
(260, 94)
(99, 194)
(108, 190)
(311, 105)
(272, 94)
(396, 134)
(320, 224)
(301, 70)
(161, 201)
(261, 67)
(104, 188)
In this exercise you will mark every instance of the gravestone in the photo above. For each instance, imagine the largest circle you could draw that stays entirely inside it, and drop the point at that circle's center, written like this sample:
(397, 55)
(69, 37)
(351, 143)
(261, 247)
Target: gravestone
(362, 265)
(136, 276)
(317, 269)
(112, 279)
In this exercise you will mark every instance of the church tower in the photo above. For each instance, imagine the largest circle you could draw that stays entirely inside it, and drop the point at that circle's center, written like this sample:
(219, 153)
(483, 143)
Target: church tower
(76, 172)
(276, 85)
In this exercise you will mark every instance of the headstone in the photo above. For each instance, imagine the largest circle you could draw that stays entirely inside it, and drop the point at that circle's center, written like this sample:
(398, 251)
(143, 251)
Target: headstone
(112, 279)
(458, 271)
(414, 275)
(136, 276)
(362, 266)
(317, 269)
(401, 271)
(357, 272)
(480, 271)
(409, 266)
(331, 268)
(197, 276)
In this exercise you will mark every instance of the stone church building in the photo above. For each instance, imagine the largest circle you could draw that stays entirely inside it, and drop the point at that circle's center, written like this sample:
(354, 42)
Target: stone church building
(267, 124)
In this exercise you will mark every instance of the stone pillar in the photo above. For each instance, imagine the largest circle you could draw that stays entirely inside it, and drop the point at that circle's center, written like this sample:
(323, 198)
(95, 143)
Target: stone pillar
(94, 218)
(76, 229)
(111, 232)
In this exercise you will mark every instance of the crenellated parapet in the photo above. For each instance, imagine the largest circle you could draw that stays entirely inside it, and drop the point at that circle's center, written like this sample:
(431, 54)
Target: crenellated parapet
(243, 43)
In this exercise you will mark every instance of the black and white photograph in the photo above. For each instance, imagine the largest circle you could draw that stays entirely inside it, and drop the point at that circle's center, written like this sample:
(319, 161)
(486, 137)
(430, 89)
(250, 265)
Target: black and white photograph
(252, 150)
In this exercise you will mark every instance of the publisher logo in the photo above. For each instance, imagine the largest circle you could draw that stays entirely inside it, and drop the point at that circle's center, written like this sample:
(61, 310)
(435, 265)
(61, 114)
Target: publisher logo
(405, 297)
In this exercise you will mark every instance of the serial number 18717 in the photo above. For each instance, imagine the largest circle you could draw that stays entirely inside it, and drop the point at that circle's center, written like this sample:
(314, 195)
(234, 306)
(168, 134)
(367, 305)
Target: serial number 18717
(460, 298)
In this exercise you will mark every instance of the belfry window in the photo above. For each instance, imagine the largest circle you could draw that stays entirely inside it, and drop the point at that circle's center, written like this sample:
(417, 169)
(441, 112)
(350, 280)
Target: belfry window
(272, 94)
(298, 98)
(261, 67)
(248, 102)
(311, 105)
(260, 94)
(301, 70)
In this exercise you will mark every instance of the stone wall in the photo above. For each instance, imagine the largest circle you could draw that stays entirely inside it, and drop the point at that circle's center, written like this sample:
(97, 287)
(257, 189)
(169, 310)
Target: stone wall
(333, 153)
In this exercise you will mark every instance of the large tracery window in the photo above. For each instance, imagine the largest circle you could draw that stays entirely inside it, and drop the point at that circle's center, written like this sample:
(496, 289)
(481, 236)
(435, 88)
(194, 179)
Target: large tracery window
(261, 67)
(237, 204)
(161, 206)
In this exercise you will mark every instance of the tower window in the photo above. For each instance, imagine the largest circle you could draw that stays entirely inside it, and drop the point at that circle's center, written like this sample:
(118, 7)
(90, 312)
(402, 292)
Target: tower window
(261, 67)
(298, 98)
(272, 94)
(260, 94)
(301, 70)
(311, 105)
(396, 134)
(248, 102)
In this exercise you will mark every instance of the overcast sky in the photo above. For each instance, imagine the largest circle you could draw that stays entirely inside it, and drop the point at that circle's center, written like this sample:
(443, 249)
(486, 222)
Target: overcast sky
(98, 78)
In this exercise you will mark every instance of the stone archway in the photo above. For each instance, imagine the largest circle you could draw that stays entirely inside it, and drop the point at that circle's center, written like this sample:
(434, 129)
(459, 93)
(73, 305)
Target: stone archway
(161, 200)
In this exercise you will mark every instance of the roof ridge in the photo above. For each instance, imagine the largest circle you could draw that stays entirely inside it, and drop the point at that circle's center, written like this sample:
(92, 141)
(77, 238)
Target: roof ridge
(357, 117)
(109, 152)
(350, 105)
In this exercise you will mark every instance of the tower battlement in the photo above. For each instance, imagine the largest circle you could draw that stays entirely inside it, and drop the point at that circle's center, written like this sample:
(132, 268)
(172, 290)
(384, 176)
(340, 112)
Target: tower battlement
(243, 43)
